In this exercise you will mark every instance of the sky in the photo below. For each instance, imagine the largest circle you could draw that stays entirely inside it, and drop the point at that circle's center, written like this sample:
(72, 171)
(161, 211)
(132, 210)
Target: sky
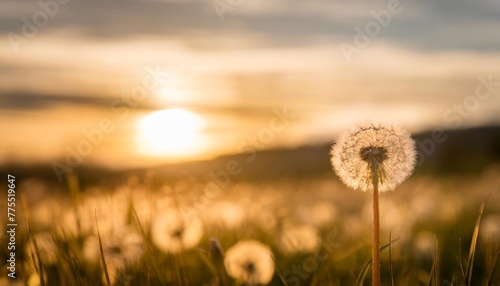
(124, 83)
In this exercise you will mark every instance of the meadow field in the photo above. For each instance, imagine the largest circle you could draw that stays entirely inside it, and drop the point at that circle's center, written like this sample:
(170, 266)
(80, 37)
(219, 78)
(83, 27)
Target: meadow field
(178, 231)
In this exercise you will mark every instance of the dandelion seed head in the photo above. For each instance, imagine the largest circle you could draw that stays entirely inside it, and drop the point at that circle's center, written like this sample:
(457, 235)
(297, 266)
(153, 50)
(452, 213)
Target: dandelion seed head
(323, 214)
(299, 239)
(224, 214)
(43, 213)
(250, 262)
(320, 214)
(424, 244)
(490, 228)
(120, 247)
(388, 147)
(172, 233)
(111, 212)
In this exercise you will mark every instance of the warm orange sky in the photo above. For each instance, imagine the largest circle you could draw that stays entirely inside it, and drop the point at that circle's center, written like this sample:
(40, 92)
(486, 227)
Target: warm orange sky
(225, 81)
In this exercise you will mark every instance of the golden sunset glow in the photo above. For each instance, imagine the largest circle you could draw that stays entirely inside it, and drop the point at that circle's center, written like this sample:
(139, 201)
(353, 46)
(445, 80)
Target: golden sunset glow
(171, 132)
(177, 96)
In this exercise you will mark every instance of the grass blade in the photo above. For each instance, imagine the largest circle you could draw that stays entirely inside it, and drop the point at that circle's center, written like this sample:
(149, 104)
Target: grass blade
(472, 250)
(364, 271)
(103, 260)
(434, 276)
(35, 253)
(146, 241)
(208, 262)
(490, 275)
(278, 271)
(390, 259)
(460, 257)
(73, 185)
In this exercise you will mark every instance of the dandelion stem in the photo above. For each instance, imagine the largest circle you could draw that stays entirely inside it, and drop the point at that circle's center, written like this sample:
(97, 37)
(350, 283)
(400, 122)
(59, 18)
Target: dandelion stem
(375, 227)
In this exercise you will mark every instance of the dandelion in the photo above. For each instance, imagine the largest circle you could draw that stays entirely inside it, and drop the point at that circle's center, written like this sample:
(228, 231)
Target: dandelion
(490, 228)
(299, 238)
(386, 151)
(320, 214)
(250, 262)
(225, 214)
(374, 157)
(424, 244)
(43, 213)
(172, 233)
(111, 213)
(121, 248)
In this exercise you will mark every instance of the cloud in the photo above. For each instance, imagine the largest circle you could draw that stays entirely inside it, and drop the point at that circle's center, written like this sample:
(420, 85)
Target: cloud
(429, 25)
(23, 100)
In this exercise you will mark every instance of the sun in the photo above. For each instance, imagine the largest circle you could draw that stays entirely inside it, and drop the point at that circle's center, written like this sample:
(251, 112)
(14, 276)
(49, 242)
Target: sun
(172, 132)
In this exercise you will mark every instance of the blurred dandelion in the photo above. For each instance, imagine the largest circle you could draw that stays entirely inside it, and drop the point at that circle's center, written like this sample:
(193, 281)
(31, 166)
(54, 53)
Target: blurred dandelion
(171, 233)
(263, 214)
(43, 213)
(225, 214)
(299, 238)
(250, 262)
(424, 244)
(320, 214)
(374, 157)
(111, 213)
(121, 248)
(47, 250)
(450, 208)
(490, 228)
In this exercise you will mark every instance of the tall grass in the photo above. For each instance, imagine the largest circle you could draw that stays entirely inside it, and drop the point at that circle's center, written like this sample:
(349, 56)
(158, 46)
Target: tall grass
(342, 259)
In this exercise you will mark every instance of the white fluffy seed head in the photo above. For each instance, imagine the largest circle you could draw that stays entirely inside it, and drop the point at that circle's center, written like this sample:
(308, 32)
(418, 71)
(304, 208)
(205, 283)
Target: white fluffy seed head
(172, 233)
(388, 146)
(250, 262)
(121, 248)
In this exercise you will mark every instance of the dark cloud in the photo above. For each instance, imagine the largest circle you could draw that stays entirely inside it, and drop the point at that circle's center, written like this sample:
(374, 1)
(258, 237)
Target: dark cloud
(429, 25)
(25, 100)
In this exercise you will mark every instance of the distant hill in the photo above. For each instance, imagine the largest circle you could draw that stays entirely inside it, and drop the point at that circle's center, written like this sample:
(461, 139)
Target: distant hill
(458, 152)
(452, 152)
